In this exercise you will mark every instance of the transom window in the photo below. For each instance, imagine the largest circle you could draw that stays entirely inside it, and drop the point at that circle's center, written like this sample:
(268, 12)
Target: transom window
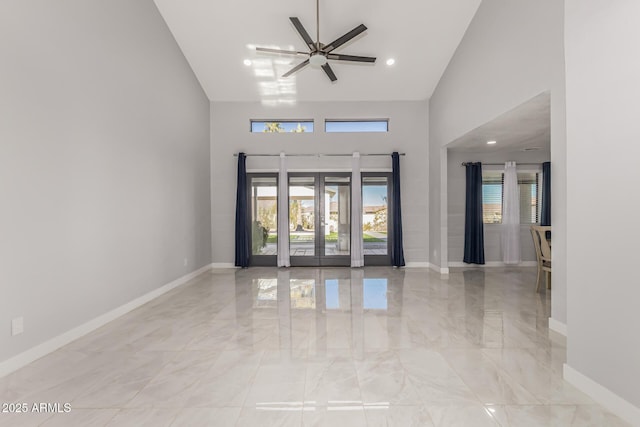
(356, 125)
(281, 126)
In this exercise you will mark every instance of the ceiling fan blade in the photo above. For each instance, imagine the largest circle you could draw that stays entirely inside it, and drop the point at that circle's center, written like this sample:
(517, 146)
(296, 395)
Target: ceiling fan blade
(305, 36)
(296, 68)
(342, 40)
(282, 51)
(351, 58)
(327, 69)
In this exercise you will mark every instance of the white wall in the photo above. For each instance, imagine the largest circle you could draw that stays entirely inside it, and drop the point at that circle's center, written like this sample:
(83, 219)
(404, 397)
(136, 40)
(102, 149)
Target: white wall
(511, 52)
(456, 191)
(407, 133)
(603, 101)
(104, 172)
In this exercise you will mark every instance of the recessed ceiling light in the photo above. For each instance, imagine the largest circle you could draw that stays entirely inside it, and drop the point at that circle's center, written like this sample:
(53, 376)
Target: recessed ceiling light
(491, 142)
(391, 61)
(247, 62)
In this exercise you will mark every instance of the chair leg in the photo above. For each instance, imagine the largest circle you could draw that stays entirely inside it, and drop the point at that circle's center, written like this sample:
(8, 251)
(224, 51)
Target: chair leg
(538, 279)
(548, 279)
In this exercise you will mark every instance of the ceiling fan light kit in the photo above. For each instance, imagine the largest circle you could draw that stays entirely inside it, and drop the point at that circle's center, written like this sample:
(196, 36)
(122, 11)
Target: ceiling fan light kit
(319, 54)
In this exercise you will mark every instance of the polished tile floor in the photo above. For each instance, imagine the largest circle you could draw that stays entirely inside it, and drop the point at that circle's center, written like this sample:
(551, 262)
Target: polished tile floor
(315, 347)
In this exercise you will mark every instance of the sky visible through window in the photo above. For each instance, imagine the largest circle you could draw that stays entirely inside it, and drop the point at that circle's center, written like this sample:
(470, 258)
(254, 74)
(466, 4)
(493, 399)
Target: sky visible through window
(260, 126)
(357, 126)
(374, 195)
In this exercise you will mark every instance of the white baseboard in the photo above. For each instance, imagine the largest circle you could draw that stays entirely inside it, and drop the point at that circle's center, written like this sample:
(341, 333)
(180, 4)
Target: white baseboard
(40, 350)
(494, 264)
(418, 265)
(427, 265)
(558, 326)
(602, 395)
(441, 270)
(223, 265)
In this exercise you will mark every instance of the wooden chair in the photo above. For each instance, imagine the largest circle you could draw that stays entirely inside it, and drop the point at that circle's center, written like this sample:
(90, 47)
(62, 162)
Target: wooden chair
(543, 253)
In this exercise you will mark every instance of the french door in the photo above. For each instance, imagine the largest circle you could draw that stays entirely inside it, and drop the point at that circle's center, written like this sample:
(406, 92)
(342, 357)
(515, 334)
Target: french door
(320, 219)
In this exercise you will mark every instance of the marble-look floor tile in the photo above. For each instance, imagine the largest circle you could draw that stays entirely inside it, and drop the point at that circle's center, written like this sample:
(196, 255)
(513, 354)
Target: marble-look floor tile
(557, 416)
(28, 419)
(491, 385)
(228, 380)
(177, 380)
(457, 416)
(143, 417)
(308, 346)
(398, 416)
(549, 388)
(206, 417)
(81, 417)
(435, 380)
(273, 416)
(342, 415)
(333, 380)
(124, 382)
(382, 378)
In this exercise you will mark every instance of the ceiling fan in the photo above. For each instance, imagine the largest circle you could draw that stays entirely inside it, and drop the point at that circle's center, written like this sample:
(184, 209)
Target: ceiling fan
(319, 53)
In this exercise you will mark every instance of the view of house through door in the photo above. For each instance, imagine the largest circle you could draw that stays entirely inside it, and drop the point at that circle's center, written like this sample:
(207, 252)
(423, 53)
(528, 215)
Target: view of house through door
(319, 218)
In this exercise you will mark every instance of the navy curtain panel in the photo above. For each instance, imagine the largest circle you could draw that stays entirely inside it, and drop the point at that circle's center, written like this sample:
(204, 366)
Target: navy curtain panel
(242, 234)
(473, 228)
(545, 218)
(397, 253)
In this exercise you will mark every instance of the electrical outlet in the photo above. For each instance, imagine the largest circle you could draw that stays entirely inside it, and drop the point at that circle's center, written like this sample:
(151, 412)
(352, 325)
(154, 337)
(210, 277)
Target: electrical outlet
(17, 326)
(186, 262)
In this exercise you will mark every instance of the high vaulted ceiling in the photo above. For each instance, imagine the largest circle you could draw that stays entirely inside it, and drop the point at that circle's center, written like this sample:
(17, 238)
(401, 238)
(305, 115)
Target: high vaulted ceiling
(216, 37)
(526, 127)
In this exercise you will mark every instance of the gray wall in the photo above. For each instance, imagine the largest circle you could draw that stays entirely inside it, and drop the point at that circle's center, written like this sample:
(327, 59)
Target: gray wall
(456, 190)
(603, 153)
(104, 172)
(407, 133)
(511, 52)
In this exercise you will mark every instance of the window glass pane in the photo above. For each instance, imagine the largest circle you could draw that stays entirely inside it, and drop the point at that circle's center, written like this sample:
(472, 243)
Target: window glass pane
(356, 125)
(492, 197)
(337, 215)
(529, 200)
(281, 126)
(302, 231)
(264, 215)
(374, 215)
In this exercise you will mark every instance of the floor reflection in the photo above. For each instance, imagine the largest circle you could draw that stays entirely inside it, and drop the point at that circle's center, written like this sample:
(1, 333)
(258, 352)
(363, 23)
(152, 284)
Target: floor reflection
(319, 310)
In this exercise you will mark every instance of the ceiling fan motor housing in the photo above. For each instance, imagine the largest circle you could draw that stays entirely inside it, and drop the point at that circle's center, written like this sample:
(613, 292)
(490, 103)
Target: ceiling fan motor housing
(317, 60)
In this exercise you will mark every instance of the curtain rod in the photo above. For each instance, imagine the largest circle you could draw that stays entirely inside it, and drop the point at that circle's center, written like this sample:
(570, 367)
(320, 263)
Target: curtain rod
(501, 164)
(315, 155)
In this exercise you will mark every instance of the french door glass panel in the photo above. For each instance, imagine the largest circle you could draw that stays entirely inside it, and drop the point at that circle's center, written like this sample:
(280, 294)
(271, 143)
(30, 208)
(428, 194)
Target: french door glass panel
(302, 216)
(375, 190)
(264, 215)
(320, 218)
(337, 215)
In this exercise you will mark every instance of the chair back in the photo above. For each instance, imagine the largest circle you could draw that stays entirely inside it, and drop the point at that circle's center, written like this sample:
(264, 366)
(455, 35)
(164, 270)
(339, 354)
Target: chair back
(543, 248)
